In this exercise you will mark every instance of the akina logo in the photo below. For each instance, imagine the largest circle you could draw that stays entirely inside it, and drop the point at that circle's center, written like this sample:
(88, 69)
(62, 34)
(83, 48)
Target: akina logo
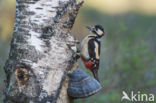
(137, 97)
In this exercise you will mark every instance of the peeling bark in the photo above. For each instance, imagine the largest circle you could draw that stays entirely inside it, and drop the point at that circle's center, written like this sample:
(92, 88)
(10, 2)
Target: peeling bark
(40, 57)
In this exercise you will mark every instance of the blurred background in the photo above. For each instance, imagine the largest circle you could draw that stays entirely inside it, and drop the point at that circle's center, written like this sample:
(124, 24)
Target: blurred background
(128, 54)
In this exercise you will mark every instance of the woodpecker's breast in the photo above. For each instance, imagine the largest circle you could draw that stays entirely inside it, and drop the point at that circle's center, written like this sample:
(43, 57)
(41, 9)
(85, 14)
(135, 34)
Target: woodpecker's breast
(84, 47)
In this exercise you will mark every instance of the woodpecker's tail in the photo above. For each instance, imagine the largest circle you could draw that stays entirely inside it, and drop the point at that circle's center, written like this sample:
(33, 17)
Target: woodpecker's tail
(95, 74)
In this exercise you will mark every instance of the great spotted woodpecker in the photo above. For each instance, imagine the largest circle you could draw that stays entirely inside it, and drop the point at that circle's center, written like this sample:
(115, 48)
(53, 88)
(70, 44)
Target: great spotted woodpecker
(90, 49)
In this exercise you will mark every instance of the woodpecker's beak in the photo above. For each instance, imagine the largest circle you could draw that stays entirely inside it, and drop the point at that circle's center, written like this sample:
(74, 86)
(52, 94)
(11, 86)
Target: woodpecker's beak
(90, 28)
(95, 73)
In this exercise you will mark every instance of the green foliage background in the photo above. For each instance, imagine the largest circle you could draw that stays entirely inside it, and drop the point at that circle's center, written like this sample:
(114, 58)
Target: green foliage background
(128, 54)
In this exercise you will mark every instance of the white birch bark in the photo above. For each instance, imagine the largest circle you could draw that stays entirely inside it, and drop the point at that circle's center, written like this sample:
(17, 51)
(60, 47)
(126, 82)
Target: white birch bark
(40, 57)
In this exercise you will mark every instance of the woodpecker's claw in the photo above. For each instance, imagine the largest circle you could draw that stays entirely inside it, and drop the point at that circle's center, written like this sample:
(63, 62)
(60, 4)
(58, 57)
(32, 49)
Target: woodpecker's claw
(69, 74)
(77, 56)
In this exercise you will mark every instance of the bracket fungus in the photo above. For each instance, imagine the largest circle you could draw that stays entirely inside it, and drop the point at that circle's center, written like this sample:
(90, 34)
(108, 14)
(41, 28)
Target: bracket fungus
(81, 85)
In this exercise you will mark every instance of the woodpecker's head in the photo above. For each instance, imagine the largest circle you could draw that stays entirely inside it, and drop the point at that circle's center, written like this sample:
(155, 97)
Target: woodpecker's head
(98, 30)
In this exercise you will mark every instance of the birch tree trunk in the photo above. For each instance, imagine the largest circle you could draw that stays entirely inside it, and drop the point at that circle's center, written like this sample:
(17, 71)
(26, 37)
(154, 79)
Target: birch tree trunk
(40, 57)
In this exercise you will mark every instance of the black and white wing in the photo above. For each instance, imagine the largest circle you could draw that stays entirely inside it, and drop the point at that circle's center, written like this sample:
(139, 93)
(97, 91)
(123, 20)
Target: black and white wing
(94, 51)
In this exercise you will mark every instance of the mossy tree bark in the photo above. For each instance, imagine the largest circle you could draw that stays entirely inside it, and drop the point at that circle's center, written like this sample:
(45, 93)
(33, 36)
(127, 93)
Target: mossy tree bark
(40, 56)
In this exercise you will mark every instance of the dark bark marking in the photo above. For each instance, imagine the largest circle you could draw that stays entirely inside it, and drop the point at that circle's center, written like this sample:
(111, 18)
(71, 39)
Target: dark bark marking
(51, 11)
(28, 13)
(22, 76)
(39, 8)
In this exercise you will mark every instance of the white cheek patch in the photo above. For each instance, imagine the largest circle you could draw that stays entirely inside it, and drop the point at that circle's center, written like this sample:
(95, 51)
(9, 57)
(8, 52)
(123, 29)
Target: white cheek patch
(100, 32)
